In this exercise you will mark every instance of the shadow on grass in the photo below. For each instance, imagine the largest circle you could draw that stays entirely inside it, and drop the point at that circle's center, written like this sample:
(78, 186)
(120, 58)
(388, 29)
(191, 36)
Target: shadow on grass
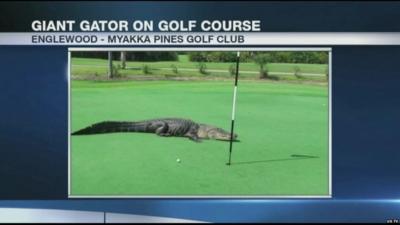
(228, 140)
(293, 157)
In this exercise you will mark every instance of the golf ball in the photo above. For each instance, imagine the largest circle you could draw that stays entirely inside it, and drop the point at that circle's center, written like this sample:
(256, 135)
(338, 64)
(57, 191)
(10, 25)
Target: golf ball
(178, 160)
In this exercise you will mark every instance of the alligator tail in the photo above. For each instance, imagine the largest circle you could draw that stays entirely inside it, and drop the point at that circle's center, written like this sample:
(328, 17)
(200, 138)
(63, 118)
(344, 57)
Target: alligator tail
(112, 127)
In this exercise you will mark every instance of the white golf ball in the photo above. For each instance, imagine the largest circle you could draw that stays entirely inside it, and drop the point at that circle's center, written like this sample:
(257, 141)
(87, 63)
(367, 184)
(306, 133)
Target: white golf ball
(178, 160)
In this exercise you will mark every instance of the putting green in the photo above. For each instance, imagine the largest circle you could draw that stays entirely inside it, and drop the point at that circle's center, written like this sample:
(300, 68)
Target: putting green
(274, 121)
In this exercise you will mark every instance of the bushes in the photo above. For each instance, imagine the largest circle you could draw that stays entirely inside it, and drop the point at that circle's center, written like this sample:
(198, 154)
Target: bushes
(212, 56)
(174, 69)
(232, 69)
(98, 55)
(297, 72)
(300, 57)
(116, 71)
(146, 69)
(222, 57)
(198, 56)
(274, 57)
(152, 56)
(202, 68)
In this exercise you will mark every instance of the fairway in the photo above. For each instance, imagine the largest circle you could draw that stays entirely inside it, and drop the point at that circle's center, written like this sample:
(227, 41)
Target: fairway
(274, 121)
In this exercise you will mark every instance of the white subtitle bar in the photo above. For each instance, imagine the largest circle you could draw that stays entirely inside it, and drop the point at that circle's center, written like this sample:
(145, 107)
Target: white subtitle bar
(201, 39)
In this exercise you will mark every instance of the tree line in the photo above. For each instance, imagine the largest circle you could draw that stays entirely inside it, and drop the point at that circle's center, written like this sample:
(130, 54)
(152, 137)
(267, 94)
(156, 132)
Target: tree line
(131, 56)
(222, 56)
(270, 57)
(259, 58)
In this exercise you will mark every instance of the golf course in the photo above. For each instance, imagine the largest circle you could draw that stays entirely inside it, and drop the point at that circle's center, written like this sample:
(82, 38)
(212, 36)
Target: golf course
(282, 128)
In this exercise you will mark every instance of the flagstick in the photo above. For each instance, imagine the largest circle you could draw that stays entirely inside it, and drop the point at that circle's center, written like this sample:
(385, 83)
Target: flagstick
(234, 107)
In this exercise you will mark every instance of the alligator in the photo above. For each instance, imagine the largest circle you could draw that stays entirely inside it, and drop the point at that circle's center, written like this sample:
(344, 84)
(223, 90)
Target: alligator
(175, 127)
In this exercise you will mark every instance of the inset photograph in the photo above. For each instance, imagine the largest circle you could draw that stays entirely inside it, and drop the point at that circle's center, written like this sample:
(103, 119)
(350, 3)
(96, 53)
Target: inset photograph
(165, 123)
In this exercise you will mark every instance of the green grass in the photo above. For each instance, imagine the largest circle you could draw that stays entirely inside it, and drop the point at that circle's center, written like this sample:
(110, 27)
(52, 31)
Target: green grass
(274, 121)
(85, 66)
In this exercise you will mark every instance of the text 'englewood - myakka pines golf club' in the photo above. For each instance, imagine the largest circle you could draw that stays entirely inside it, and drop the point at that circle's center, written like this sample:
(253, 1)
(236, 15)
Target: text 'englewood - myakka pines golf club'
(246, 123)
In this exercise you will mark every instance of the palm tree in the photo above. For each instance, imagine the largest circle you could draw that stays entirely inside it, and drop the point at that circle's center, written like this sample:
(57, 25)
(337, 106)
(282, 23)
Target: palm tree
(110, 66)
(123, 60)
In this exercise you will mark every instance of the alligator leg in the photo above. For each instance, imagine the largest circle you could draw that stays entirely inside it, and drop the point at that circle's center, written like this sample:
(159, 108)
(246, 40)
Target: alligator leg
(162, 129)
(194, 137)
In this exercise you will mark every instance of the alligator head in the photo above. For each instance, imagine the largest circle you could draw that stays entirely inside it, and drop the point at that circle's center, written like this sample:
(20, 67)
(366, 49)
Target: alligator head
(210, 132)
